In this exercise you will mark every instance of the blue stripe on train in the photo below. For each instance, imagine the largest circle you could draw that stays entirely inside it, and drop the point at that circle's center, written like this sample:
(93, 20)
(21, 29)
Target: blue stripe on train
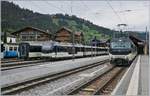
(10, 54)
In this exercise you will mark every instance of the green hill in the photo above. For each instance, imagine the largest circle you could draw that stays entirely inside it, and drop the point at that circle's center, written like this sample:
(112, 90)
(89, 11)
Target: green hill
(14, 18)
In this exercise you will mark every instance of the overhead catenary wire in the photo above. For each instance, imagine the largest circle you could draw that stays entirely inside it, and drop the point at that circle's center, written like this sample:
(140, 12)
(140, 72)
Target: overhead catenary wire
(95, 17)
(55, 6)
(124, 15)
(87, 7)
(114, 11)
(37, 6)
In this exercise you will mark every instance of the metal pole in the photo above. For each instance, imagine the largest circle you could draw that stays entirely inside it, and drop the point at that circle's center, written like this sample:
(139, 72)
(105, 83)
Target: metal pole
(146, 34)
(73, 41)
(91, 48)
(145, 49)
(95, 49)
(73, 45)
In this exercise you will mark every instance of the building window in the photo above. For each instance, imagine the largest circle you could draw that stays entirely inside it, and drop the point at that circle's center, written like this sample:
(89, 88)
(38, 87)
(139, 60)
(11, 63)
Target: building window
(15, 48)
(32, 38)
(10, 48)
(24, 38)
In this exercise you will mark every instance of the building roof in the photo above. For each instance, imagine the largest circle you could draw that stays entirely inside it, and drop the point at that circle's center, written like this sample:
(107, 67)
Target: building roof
(29, 27)
(8, 34)
(132, 37)
(64, 28)
(78, 33)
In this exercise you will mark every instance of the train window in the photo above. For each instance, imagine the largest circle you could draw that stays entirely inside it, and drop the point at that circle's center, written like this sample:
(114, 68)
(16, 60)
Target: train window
(15, 48)
(78, 49)
(35, 48)
(71, 51)
(62, 49)
(10, 48)
(82, 49)
(132, 46)
(55, 49)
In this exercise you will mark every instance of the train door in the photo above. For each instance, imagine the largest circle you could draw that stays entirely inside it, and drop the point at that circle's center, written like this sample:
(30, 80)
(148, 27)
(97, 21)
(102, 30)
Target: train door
(84, 51)
(24, 50)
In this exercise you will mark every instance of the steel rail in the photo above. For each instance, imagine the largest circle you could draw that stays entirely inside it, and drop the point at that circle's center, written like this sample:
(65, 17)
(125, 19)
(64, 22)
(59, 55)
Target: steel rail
(20, 64)
(10, 89)
(95, 85)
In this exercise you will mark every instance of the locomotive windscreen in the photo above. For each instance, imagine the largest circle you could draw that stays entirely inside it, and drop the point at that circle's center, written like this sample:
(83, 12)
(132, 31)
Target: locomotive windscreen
(120, 45)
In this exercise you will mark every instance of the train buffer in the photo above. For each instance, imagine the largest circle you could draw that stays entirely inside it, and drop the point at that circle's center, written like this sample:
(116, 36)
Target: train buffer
(135, 81)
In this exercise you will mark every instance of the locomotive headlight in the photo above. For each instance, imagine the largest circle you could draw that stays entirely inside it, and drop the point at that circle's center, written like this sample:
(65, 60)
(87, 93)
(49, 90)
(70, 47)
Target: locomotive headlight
(110, 55)
(126, 57)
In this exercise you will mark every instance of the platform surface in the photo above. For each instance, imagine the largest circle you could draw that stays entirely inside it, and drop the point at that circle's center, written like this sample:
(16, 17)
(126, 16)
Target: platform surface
(144, 76)
(22, 74)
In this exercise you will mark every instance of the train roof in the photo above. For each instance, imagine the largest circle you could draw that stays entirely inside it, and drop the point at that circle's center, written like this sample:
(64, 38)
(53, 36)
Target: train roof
(120, 39)
(77, 45)
(68, 44)
(60, 44)
(11, 43)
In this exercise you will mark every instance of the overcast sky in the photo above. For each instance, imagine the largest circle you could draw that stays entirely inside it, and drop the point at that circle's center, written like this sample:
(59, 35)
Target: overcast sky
(103, 13)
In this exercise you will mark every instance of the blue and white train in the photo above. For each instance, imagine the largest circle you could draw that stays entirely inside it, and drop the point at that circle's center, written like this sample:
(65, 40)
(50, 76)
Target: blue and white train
(9, 50)
(58, 50)
(122, 51)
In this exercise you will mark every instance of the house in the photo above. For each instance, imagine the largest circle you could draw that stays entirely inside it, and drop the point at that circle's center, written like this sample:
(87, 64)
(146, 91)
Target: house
(66, 35)
(79, 37)
(32, 34)
(7, 38)
(11, 39)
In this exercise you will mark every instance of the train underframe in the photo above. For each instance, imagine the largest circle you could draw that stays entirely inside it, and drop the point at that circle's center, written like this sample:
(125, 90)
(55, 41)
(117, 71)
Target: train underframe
(122, 60)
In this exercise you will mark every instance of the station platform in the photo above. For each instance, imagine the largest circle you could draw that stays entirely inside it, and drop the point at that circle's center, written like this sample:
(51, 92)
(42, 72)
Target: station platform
(14, 76)
(144, 76)
(135, 81)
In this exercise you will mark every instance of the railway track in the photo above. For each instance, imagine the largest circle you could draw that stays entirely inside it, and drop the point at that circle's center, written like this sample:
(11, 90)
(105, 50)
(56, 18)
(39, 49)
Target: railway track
(97, 85)
(13, 88)
(21, 64)
(11, 60)
(13, 64)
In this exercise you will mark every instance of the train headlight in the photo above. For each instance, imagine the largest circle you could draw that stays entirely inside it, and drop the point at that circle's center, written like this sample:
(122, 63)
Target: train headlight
(126, 57)
(110, 56)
